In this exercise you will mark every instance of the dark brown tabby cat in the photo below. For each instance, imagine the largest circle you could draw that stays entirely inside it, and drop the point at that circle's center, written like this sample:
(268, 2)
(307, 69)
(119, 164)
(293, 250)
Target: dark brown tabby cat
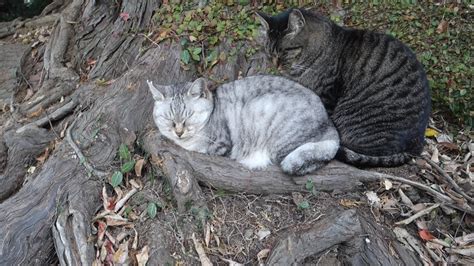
(372, 85)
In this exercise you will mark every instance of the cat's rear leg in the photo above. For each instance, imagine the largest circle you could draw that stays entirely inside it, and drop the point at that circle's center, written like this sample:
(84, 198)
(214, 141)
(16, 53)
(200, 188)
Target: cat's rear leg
(309, 157)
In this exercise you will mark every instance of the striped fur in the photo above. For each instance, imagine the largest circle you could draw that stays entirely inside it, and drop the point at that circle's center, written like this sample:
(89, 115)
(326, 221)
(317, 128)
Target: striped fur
(372, 85)
(258, 121)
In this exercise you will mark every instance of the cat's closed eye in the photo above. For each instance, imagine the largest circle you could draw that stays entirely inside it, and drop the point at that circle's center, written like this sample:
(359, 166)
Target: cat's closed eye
(293, 52)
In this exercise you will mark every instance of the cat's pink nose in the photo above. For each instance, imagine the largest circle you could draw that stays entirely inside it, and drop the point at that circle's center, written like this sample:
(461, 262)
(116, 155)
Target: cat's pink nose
(179, 133)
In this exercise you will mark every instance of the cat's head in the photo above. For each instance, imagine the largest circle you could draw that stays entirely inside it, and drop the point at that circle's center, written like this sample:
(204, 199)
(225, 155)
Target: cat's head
(182, 110)
(293, 37)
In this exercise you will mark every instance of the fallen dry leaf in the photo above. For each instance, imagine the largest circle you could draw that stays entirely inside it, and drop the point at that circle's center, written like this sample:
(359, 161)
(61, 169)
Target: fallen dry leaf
(101, 226)
(112, 221)
(348, 203)
(109, 197)
(425, 235)
(431, 133)
(262, 255)
(35, 113)
(389, 203)
(121, 255)
(205, 261)
(43, 156)
(435, 155)
(125, 16)
(442, 27)
(449, 146)
(135, 240)
(91, 62)
(373, 199)
(109, 247)
(297, 198)
(139, 166)
(142, 256)
(207, 235)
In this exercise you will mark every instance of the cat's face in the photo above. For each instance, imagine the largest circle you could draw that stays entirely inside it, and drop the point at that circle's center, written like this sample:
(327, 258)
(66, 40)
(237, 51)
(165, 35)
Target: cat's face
(181, 111)
(290, 39)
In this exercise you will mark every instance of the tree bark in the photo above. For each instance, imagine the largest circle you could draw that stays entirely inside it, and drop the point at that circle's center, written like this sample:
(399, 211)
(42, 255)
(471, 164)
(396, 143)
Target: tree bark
(62, 195)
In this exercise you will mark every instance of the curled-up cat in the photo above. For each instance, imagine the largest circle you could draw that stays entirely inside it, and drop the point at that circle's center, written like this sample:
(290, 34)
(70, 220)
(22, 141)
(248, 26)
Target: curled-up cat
(371, 84)
(257, 121)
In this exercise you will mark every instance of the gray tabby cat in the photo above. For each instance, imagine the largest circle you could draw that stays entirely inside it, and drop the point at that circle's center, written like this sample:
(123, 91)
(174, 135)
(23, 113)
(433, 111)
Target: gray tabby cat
(258, 121)
(372, 85)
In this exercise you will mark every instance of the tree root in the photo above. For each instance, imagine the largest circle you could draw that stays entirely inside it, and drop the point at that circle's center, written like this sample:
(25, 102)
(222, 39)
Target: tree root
(90, 169)
(56, 115)
(220, 172)
(22, 150)
(360, 243)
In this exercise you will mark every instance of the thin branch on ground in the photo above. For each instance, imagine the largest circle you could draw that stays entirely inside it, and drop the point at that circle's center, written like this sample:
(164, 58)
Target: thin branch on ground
(418, 215)
(449, 179)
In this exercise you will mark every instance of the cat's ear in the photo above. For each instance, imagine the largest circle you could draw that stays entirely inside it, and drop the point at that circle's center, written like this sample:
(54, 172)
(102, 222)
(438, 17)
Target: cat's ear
(264, 20)
(157, 95)
(199, 89)
(296, 22)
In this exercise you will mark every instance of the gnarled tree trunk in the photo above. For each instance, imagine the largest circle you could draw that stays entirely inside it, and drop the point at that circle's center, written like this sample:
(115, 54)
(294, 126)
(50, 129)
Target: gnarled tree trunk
(47, 212)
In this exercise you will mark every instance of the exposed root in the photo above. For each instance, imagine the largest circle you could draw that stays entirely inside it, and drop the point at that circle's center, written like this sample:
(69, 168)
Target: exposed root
(80, 155)
(56, 115)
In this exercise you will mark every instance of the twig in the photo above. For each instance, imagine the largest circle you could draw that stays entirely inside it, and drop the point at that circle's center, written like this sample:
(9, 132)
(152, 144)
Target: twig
(205, 261)
(405, 199)
(418, 215)
(459, 225)
(148, 38)
(449, 179)
(57, 114)
(79, 154)
(122, 201)
(429, 190)
(462, 251)
(51, 125)
(464, 240)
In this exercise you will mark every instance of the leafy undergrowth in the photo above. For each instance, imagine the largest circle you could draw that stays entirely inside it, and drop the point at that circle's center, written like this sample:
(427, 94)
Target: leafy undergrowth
(243, 228)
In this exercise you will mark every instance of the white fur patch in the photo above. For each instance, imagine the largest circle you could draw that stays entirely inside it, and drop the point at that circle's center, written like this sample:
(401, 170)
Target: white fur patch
(256, 160)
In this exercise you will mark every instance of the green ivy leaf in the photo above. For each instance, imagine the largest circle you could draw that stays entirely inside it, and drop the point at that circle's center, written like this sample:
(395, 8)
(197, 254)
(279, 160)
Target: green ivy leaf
(151, 210)
(128, 166)
(303, 205)
(124, 153)
(309, 185)
(195, 52)
(185, 56)
(117, 178)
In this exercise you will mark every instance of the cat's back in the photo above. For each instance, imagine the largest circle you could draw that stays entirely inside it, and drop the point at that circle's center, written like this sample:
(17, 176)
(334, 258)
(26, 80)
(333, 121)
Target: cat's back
(254, 87)
(374, 53)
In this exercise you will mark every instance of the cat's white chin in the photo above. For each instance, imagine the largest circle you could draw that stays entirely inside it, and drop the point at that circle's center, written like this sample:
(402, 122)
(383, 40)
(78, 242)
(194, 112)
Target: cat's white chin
(190, 144)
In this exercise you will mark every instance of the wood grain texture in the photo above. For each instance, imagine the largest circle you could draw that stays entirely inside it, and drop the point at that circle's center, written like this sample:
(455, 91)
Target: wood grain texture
(224, 173)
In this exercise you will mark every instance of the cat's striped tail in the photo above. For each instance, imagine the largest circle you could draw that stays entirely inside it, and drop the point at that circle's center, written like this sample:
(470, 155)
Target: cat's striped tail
(351, 157)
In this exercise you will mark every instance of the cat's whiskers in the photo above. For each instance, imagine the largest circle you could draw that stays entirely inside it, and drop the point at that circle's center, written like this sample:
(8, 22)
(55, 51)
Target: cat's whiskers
(207, 138)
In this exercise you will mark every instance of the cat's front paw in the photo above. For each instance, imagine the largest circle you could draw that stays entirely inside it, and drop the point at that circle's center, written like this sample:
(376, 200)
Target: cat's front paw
(290, 166)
